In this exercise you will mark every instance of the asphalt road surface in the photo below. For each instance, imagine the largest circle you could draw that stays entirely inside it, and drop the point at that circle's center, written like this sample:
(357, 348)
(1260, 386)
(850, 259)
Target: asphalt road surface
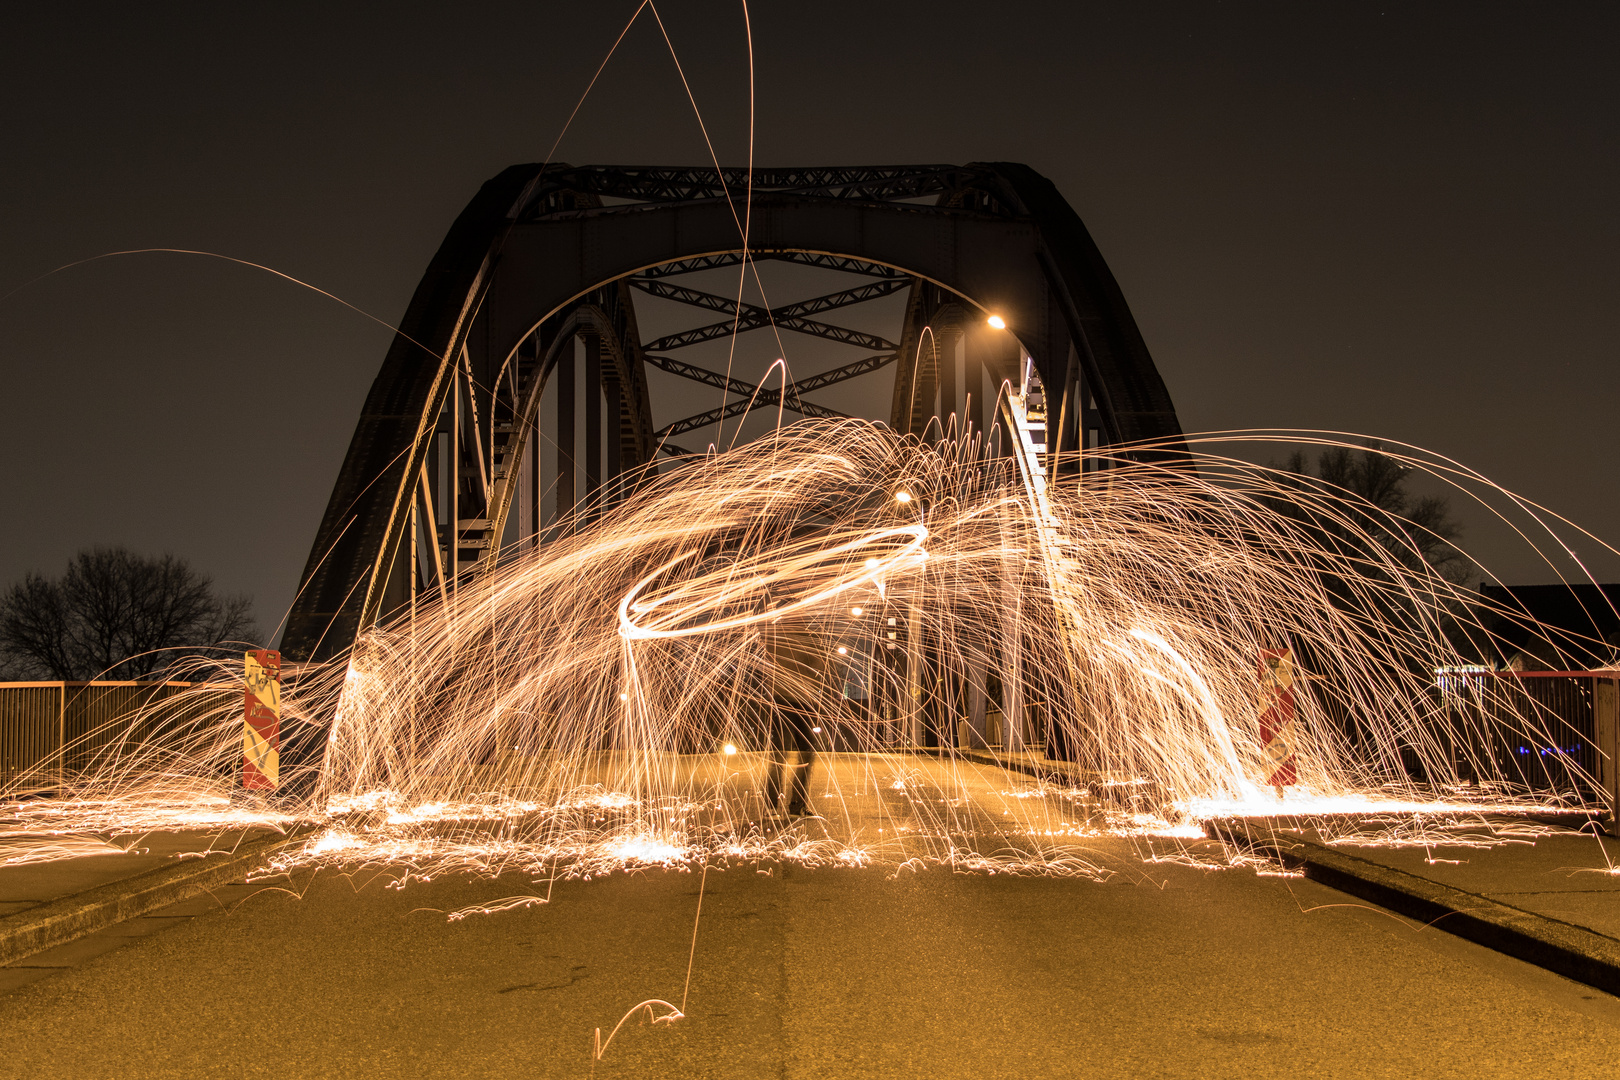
(1161, 971)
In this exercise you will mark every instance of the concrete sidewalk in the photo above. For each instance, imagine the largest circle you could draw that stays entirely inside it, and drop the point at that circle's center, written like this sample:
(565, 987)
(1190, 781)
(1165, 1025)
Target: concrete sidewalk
(36, 868)
(1551, 900)
(1575, 879)
(1567, 883)
(63, 901)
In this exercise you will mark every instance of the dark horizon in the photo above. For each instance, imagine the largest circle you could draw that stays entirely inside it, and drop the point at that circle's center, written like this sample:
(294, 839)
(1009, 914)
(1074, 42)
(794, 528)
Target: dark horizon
(1399, 225)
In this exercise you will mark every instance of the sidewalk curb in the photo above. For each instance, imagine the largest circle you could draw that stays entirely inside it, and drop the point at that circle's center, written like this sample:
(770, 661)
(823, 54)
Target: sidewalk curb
(68, 918)
(1565, 948)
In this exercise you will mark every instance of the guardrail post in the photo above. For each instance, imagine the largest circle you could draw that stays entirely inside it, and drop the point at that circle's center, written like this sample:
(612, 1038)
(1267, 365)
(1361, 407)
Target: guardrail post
(1606, 724)
(61, 735)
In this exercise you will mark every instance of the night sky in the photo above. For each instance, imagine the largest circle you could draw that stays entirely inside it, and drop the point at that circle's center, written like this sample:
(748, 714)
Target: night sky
(1398, 221)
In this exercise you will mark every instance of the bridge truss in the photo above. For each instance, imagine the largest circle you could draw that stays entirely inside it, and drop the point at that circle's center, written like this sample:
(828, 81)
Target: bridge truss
(532, 295)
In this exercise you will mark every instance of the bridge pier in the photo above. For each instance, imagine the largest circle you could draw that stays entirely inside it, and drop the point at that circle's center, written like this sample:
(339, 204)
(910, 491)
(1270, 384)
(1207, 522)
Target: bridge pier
(565, 433)
(593, 415)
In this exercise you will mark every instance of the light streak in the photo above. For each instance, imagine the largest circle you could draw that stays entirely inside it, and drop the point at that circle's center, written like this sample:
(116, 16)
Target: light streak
(672, 1014)
(508, 903)
(23, 850)
(603, 704)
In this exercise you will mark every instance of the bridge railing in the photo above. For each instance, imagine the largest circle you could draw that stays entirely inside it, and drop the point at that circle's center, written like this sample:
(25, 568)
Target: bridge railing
(50, 731)
(1554, 731)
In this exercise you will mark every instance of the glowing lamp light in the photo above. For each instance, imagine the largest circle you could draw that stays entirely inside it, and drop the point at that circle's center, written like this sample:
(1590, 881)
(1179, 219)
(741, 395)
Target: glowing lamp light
(902, 496)
(729, 749)
(857, 612)
(997, 322)
(842, 651)
(871, 564)
(624, 697)
(815, 730)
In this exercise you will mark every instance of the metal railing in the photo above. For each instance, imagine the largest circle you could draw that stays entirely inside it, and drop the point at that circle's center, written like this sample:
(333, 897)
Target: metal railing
(1554, 731)
(50, 730)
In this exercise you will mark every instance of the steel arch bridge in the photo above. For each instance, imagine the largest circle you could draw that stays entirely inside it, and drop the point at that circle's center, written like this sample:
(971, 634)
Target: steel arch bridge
(538, 278)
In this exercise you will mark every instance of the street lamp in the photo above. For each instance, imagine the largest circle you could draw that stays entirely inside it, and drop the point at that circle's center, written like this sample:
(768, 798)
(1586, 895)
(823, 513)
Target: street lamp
(997, 322)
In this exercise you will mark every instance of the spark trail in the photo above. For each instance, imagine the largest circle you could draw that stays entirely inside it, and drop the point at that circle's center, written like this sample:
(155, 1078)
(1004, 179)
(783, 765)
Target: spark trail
(604, 701)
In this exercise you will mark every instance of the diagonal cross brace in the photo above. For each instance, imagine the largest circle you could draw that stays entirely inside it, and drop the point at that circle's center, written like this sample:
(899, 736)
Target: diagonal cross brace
(787, 317)
(849, 371)
(737, 386)
(841, 263)
(766, 399)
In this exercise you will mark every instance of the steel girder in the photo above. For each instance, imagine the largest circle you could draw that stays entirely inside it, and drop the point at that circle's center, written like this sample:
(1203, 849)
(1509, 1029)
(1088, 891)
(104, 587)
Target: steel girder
(537, 243)
(804, 258)
(754, 317)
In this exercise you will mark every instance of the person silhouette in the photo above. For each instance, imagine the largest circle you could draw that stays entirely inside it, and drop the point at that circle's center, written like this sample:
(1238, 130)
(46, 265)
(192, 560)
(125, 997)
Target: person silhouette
(798, 677)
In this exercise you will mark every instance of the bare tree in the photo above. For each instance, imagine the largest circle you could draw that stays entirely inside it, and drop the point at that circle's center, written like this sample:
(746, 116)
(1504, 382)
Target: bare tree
(1417, 532)
(1422, 527)
(1378, 537)
(116, 615)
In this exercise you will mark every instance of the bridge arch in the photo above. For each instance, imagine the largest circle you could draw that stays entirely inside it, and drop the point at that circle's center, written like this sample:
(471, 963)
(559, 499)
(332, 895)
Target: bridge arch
(542, 256)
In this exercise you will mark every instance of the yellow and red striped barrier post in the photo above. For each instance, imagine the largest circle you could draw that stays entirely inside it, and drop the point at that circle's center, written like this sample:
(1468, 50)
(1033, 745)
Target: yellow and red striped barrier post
(1278, 734)
(261, 721)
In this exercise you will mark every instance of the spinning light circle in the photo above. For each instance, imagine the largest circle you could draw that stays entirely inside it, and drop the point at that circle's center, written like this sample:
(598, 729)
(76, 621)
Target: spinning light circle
(796, 577)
